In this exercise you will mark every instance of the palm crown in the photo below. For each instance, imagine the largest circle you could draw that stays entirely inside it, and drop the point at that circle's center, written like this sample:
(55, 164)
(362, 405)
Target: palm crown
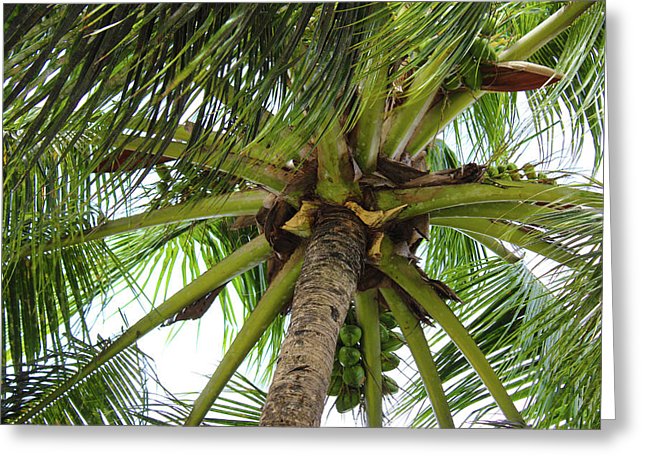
(368, 161)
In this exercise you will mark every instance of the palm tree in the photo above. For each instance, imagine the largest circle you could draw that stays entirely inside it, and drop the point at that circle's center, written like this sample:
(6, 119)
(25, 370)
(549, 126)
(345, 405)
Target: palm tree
(351, 170)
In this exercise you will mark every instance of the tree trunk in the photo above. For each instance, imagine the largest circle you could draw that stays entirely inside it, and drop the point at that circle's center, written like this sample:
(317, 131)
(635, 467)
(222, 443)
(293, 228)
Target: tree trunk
(331, 268)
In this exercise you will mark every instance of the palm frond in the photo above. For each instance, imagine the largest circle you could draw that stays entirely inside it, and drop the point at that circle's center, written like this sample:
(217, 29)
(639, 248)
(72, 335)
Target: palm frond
(576, 46)
(114, 394)
(154, 262)
(525, 317)
(240, 405)
(576, 103)
(527, 324)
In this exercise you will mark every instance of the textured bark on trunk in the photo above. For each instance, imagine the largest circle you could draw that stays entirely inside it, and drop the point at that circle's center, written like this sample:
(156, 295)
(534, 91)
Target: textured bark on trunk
(331, 268)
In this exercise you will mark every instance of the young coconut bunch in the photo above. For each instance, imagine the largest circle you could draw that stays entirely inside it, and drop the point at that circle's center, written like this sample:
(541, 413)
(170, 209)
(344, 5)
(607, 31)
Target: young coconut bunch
(307, 175)
(349, 376)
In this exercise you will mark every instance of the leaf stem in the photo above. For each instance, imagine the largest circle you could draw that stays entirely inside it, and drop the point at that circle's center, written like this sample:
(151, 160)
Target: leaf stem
(335, 182)
(406, 275)
(240, 261)
(545, 32)
(373, 92)
(418, 346)
(370, 122)
(509, 233)
(424, 200)
(519, 211)
(443, 113)
(225, 205)
(238, 165)
(367, 310)
(495, 246)
(402, 124)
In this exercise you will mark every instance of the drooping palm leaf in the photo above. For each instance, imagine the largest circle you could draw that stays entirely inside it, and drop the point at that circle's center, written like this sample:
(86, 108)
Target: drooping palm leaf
(527, 325)
(114, 394)
(240, 405)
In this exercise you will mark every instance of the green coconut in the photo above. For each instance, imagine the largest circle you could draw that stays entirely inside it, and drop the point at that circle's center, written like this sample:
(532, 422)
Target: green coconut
(394, 342)
(482, 51)
(335, 386)
(389, 361)
(489, 27)
(349, 356)
(388, 320)
(530, 171)
(389, 385)
(452, 82)
(512, 169)
(492, 171)
(354, 376)
(384, 334)
(350, 334)
(471, 76)
(348, 399)
(336, 368)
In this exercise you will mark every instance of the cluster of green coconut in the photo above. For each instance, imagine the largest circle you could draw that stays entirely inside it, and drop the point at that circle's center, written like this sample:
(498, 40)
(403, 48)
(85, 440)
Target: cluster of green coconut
(511, 172)
(349, 373)
(468, 72)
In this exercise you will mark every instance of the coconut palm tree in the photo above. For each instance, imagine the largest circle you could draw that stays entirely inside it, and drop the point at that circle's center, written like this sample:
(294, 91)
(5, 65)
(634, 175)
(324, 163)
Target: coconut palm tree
(381, 185)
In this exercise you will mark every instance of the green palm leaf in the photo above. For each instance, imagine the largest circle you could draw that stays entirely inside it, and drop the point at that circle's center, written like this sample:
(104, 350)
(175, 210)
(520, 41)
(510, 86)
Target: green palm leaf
(133, 134)
(240, 405)
(114, 394)
(524, 323)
